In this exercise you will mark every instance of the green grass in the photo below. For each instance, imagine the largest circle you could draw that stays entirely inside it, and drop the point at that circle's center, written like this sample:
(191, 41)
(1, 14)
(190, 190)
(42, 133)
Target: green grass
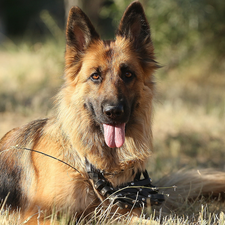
(188, 124)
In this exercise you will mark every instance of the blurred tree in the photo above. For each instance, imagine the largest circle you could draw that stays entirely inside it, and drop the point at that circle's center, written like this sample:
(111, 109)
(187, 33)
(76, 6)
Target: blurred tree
(23, 16)
(180, 28)
(2, 24)
(91, 8)
(70, 3)
(212, 24)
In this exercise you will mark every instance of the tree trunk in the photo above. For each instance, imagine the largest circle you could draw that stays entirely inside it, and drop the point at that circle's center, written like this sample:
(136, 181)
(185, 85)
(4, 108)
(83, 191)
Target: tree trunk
(90, 7)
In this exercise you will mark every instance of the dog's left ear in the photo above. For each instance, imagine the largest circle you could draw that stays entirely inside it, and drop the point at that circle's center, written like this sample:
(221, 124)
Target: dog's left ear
(135, 27)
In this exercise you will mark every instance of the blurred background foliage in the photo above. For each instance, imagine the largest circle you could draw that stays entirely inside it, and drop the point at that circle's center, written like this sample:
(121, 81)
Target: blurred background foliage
(189, 40)
(184, 25)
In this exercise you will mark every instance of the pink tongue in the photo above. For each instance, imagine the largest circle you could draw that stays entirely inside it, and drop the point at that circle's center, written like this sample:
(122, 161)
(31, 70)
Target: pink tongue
(114, 135)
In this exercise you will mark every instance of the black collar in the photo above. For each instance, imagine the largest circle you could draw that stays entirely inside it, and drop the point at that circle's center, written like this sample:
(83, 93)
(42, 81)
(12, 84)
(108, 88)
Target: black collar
(135, 194)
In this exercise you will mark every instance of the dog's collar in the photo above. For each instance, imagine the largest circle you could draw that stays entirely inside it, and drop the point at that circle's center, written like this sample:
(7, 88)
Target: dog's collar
(135, 194)
(107, 173)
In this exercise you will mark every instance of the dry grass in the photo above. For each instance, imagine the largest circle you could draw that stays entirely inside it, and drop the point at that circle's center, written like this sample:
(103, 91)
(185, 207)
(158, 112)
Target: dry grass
(204, 216)
(189, 121)
(188, 125)
(29, 76)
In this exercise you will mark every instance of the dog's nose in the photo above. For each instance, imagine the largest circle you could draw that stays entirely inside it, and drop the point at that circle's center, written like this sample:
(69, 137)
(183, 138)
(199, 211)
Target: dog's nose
(113, 112)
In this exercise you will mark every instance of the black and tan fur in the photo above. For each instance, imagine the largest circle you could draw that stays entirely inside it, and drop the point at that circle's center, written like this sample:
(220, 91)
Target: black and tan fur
(75, 132)
(98, 74)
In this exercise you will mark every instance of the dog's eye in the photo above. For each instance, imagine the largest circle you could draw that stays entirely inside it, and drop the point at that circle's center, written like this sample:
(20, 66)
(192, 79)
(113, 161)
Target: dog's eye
(128, 74)
(95, 77)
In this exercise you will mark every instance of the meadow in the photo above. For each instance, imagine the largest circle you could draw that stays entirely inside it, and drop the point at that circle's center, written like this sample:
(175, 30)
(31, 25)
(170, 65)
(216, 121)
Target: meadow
(188, 121)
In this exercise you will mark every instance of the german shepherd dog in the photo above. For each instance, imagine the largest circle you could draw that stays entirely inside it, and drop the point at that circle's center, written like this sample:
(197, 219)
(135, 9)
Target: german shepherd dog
(103, 116)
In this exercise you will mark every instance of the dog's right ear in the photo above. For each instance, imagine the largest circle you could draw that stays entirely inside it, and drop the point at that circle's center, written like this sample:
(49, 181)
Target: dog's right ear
(79, 31)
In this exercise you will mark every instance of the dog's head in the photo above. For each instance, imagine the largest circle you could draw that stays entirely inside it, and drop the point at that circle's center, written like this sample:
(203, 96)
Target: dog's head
(110, 83)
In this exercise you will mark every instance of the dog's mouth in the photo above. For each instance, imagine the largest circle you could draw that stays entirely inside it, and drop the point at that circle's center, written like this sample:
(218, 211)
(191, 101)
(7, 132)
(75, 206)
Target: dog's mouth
(114, 135)
(112, 126)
